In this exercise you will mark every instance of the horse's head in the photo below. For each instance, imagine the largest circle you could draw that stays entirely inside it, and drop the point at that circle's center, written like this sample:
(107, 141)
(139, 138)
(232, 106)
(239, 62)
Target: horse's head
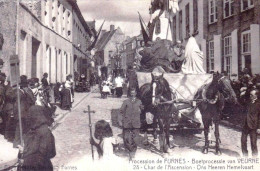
(160, 89)
(224, 86)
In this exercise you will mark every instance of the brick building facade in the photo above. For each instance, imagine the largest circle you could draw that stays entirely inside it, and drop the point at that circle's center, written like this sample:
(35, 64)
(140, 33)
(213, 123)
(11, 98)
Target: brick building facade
(48, 36)
(231, 29)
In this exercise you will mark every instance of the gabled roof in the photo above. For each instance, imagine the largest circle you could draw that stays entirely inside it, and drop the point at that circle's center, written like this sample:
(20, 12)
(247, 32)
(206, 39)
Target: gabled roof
(104, 39)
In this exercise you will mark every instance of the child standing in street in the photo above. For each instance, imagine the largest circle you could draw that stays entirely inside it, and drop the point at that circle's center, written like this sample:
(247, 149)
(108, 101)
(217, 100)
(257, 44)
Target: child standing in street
(131, 110)
(104, 134)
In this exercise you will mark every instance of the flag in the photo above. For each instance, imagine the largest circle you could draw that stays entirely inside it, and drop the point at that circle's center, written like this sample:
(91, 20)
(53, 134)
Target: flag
(144, 33)
(95, 38)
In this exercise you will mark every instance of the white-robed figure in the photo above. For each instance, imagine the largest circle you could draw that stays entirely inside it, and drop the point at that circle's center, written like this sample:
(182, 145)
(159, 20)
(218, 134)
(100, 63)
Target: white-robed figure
(193, 63)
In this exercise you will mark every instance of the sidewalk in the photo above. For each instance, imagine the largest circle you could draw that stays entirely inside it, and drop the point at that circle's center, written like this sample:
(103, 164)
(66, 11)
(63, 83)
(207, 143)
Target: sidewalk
(61, 114)
(8, 154)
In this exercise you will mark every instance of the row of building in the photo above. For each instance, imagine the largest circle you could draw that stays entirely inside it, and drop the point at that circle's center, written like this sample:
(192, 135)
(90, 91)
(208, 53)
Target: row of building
(47, 35)
(116, 51)
(228, 32)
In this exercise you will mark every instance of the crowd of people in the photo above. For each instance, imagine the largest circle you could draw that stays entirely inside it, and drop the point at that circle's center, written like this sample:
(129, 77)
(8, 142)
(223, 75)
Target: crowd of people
(112, 86)
(115, 85)
(30, 131)
(26, 122)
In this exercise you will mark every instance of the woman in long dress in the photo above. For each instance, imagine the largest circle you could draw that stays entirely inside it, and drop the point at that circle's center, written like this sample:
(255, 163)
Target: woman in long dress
(66, 96)
(193, 63)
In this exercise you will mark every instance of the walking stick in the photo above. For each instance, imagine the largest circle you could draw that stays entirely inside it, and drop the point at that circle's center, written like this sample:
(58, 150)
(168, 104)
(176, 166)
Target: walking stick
(90, 128)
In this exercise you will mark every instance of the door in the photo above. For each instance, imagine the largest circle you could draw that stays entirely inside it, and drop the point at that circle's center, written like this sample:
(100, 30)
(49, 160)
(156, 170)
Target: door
(248, 63)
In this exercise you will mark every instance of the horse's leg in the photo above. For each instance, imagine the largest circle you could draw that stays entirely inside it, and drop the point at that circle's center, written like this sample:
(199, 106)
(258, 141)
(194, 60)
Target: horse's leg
(167, 131)
(216, 121)
(155, 124)
(205, 149)
(161, 135)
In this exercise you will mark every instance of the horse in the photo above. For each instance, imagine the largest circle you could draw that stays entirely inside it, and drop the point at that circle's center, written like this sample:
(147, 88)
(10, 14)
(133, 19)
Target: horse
(151, 95)
(213, 97)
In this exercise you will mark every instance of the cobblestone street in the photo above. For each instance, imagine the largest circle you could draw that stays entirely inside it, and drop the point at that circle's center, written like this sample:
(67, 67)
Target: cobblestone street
(72, 136)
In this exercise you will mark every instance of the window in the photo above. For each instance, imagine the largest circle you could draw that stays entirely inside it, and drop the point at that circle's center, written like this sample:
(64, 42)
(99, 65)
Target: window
(211, 55)
(195, 15)
(246, 42)
(228, 65)
(187, 11)
(246, 50)
(228, 8)
(227, 54)
(212, 11)
(110, 54)
(246, 4)
(180, 25)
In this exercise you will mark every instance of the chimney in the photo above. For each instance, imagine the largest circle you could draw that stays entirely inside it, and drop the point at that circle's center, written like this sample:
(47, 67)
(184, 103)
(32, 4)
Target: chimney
(112, 27)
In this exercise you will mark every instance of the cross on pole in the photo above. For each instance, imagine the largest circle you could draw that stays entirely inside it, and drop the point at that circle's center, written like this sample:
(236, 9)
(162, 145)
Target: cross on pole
(90, 127)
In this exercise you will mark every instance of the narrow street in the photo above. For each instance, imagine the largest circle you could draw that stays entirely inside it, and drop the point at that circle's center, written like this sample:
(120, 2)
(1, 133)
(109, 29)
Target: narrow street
(72, 137)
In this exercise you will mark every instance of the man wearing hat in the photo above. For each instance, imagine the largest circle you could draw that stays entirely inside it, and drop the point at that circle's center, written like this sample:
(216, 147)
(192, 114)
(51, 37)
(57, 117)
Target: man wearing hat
(27, 99)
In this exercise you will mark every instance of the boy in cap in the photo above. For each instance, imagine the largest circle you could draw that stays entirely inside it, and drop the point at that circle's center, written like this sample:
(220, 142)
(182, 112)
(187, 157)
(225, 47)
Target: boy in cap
(131, 110)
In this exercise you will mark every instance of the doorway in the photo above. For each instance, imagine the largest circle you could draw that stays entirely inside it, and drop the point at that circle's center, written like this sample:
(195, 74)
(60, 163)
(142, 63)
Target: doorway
(247, 59)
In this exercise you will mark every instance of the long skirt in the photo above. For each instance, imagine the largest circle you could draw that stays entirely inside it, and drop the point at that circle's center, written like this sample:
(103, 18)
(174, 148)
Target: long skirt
(119, 91)
(66, 99)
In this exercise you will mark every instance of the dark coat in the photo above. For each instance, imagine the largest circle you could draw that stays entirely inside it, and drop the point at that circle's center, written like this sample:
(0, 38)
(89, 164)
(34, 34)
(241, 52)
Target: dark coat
(39, 142)
(10, 98)
(44, 82)
(131, 113)
(66, 98)
(26, 101)
(253, 115)
(132, 79)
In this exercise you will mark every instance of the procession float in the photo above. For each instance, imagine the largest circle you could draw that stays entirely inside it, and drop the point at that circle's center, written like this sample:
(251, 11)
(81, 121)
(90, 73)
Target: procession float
(176, 92)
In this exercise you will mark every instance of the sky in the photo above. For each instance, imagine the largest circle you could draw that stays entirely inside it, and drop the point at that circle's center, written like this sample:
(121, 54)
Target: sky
(121, 13)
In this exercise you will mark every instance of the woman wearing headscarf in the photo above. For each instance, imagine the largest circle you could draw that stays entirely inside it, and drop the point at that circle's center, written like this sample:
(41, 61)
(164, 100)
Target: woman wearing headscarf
(193, 63)
(39, 142)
